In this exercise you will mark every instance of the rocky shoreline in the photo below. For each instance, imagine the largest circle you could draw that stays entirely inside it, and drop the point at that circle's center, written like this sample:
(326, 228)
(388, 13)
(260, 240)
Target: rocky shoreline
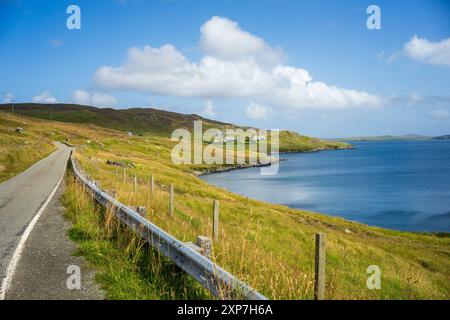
(207, 171)
(320, 149)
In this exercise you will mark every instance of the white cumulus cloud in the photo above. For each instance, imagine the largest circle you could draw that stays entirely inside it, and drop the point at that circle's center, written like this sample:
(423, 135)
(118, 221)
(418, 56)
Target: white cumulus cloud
(44, 97)
(93, 98)
(428, 51)
(225, 40)
(235, 64)
(255, 111)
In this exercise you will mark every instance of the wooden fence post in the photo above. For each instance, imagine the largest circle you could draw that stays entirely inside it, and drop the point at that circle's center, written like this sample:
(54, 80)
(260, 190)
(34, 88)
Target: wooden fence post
(152, 184)
(135, 183)
(216, 220)
(124, 174)
(319, 279)
(171, 207)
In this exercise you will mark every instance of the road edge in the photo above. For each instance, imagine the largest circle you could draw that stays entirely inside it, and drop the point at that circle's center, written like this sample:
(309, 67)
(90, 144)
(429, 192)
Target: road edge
(6, 282)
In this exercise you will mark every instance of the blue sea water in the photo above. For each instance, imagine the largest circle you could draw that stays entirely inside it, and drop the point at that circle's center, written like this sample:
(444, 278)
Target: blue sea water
(401, 185)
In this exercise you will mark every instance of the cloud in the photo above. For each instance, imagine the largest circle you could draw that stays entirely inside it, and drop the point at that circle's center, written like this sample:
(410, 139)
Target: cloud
(8, 97)
(93, 98)
(235, 64)
(208, 110)
(44, 97)
(225, 40)
(256, 112)
(440, 114)
(426, 51)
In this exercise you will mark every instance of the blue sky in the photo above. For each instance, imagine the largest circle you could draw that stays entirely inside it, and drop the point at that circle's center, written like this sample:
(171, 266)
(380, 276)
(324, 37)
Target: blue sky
(313, 67)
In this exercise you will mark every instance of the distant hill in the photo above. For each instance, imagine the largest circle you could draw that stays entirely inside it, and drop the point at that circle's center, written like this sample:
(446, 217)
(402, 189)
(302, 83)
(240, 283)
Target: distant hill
(154, 121)
(136, 120)
(408, 137)
(444, 137)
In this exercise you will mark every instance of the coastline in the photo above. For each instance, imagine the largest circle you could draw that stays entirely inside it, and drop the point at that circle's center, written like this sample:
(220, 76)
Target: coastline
(207, 171)
(200, 173)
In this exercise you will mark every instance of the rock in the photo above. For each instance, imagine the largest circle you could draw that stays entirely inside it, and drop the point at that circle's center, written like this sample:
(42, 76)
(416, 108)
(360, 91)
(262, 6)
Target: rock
(20, 130)
(115, 163)
(348, 231)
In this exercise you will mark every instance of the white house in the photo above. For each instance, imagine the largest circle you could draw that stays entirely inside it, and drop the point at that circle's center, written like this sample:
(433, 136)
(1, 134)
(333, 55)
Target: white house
(258, 138)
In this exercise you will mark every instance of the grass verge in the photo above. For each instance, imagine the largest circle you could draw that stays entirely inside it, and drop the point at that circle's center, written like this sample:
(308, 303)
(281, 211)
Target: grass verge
(19, 150)
(127, 267)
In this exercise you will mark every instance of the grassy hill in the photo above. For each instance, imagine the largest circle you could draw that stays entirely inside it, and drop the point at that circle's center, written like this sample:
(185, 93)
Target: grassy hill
(136, 120)
(19, 150)
(154, 121)
(269, 246)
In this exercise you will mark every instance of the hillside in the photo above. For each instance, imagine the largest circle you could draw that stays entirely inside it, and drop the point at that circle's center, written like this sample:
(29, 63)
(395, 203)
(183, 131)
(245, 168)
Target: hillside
(20, 149)
(269, 246)
(136, 120)
(154, 121)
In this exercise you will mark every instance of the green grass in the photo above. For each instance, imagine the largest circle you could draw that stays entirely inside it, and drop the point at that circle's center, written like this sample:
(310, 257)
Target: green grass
(18, 151)
(127, 267)
(293, 142)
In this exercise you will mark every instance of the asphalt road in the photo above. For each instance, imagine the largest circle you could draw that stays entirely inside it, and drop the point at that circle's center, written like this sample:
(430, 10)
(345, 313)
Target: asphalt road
(22, 196)
(48, 255)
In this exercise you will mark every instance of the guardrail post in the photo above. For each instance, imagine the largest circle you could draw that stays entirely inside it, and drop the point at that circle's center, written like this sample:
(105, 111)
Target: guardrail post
(152, 184)
(142, 211)
(216, 220)
(135, 183)
(171, 207)
(205, 244)
(319, 279)
(111, 193)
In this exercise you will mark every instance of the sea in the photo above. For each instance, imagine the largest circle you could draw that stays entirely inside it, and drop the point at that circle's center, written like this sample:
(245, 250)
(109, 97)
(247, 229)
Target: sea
(400, 185)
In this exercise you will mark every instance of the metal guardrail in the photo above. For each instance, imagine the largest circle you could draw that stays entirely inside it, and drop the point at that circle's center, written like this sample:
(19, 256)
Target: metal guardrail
(218, 281)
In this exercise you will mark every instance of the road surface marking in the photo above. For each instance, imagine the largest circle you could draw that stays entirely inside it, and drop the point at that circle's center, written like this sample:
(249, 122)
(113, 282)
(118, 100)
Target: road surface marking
(18, 251)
